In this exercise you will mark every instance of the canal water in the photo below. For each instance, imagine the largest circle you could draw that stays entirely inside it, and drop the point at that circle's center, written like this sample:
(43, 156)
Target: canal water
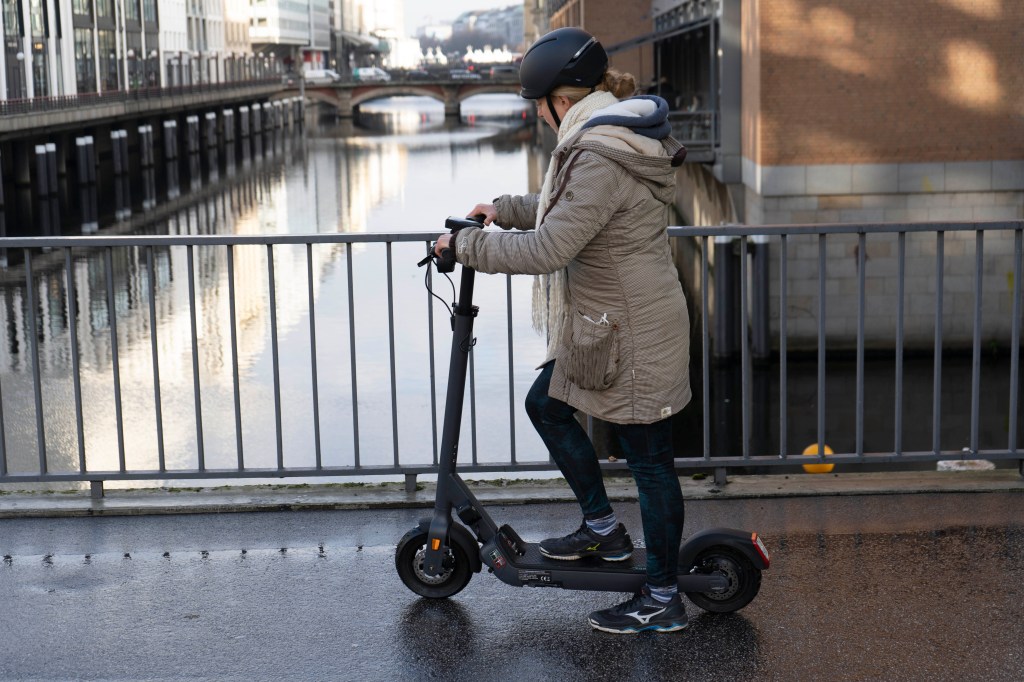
(401, 167)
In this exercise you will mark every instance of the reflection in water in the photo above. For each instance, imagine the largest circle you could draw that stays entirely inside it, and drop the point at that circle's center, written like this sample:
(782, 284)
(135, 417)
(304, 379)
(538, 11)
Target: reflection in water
(327, 182)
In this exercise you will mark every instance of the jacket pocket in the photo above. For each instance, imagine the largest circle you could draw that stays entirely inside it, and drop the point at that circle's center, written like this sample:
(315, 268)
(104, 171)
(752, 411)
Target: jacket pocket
(591, 351)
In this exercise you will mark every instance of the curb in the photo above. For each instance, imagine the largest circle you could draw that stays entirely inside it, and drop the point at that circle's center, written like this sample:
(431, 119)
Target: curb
(135, 502)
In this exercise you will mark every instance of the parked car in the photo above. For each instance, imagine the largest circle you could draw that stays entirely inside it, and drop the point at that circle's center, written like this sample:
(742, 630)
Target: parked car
(321, 77)
(418, 75)
(503, 71)
(371, 73)
(463, 74)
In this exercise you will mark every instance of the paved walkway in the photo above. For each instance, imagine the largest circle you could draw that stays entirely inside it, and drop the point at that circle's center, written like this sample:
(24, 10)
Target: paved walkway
(393, 495)
(871, 587)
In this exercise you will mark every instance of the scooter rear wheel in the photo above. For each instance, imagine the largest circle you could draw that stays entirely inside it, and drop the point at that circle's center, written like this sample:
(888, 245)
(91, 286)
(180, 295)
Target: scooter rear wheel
(744, 580)
(409, 557)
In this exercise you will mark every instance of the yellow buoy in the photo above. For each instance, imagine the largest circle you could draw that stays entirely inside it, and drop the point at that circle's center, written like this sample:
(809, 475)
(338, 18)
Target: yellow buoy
(818, 468)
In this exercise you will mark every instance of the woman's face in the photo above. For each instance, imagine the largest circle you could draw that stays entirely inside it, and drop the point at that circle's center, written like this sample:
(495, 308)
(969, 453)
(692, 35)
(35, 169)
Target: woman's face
(562, 105)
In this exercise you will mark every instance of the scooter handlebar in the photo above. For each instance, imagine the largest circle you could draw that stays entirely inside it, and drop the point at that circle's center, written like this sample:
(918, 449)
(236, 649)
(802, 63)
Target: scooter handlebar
(455, 224)
(446, 261)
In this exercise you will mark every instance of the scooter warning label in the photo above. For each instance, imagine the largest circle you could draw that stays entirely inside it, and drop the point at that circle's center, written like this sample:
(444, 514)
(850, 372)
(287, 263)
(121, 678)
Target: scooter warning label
(536, 578)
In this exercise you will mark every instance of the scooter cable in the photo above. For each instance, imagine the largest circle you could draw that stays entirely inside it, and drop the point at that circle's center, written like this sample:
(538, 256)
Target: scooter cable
(426, 284)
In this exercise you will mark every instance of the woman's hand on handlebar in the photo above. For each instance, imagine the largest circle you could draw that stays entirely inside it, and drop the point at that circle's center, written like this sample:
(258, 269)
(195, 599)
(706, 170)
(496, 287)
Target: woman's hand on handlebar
(441, 244)
(488, 211)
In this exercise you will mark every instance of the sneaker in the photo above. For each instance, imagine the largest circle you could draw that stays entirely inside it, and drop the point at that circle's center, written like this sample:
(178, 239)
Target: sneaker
(641, 612)
(614, 547)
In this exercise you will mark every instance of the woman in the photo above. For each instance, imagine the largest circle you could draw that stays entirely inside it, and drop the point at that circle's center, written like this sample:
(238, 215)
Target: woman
(616, 317)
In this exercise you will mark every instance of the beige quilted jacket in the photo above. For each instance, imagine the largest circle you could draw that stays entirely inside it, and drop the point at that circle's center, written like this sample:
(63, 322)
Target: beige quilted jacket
(623, 355)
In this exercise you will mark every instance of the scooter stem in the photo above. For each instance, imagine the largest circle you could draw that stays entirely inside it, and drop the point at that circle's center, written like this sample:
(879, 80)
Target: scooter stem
(462, 343)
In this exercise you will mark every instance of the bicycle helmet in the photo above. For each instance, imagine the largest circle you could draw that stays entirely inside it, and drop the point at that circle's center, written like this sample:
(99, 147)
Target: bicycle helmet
(565, 56)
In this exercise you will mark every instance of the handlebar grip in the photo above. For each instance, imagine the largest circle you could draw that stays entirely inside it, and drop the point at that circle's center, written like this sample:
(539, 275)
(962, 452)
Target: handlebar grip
(446, 263)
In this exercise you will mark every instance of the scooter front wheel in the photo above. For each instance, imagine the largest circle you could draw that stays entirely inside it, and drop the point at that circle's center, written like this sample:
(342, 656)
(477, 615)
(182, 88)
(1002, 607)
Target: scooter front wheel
(744, 580)
(409, 558)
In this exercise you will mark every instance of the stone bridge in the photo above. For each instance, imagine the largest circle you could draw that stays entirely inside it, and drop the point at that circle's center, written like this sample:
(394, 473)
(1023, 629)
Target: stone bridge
(346, 97)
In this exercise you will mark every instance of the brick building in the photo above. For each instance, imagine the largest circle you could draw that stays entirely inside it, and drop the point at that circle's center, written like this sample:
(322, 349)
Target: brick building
(613, 23)
(846, 111)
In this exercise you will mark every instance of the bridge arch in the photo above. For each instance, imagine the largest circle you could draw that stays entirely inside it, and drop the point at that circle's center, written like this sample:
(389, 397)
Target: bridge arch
(347, 96)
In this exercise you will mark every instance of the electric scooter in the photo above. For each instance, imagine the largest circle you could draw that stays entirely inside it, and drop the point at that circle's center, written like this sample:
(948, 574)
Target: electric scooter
(720, 568)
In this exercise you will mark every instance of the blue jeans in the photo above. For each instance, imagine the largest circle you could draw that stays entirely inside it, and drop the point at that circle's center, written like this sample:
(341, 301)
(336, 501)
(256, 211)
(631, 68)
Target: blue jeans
(648, 452)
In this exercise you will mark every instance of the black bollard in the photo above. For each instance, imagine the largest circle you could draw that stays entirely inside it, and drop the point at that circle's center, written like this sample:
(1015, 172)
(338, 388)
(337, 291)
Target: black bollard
(228, 119)
(192, 134)
(115, 152)
(257, 119)
(82, 158)
(42, 174)
(146, 146)
(211, 130)
(122, 149)
(51, 166)
(90, 152)
(243, 120)
(170, 140)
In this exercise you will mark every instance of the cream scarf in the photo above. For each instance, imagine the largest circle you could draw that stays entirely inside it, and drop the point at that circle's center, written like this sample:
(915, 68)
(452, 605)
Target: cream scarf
(550, 292)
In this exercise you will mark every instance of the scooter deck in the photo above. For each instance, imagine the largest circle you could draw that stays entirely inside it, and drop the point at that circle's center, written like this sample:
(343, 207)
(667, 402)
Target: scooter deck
(520, 563)
(533, 558)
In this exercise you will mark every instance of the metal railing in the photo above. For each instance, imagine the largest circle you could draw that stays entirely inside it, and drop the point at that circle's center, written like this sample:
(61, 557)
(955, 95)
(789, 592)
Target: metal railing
(49, 278)
(697, 130)
(31, 105)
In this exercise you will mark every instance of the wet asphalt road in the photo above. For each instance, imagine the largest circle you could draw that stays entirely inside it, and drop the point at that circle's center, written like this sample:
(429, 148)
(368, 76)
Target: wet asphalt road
(908, 587)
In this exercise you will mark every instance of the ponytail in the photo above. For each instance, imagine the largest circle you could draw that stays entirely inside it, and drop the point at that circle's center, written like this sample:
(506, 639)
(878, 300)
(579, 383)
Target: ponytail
(620, 84)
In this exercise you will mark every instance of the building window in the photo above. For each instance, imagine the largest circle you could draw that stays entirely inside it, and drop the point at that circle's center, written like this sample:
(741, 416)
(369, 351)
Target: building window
(108, 61)
(12, 13)
(82, 7)
(149, 11)
(40, 70)
(131, 10)
(85, 64)
(104, 8)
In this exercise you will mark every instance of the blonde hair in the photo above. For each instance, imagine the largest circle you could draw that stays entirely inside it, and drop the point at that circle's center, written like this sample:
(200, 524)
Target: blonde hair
(620, 84)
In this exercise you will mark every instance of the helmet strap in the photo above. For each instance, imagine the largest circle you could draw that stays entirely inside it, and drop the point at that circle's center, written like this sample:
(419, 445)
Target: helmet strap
(551, 108)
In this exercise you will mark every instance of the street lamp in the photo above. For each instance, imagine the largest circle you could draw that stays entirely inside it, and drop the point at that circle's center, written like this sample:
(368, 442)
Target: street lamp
(115, 70)
(21, 74)
(131, 68)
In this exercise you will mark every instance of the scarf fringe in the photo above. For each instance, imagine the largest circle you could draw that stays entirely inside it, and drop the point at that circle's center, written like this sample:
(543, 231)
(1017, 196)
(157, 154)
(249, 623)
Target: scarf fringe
(550, 292)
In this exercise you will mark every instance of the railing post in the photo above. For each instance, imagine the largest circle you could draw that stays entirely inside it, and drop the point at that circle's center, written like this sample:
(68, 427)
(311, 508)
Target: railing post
(410, 483)
(759, 334)
(96, 490)
(727, 291)
(721, 476)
